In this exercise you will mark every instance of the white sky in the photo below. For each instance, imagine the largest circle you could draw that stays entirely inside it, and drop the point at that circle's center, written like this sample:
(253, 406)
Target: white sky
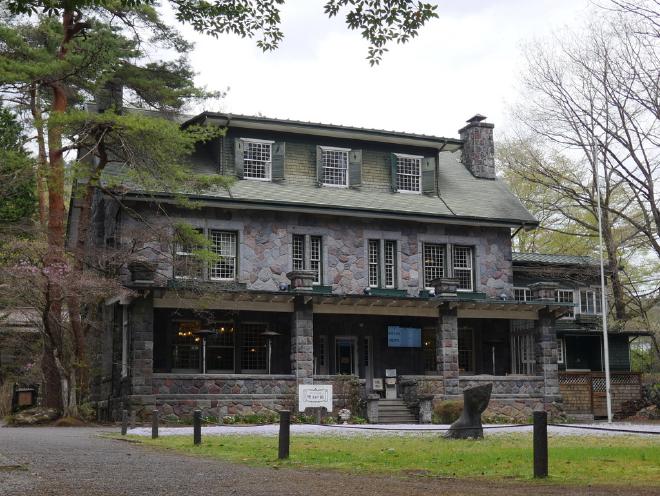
(465, 62)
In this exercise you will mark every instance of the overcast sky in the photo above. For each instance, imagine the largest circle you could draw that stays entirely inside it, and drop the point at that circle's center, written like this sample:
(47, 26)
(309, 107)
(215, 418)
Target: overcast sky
(465, 62)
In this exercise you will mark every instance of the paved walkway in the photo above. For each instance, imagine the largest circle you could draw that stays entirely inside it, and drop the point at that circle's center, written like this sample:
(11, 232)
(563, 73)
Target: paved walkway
(618, 428)
(75, 461)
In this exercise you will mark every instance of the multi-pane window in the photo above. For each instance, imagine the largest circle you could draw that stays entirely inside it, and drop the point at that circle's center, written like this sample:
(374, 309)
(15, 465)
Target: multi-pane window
(186, 346)
(560, 350)
(463, 267)
(382, 264)
(223, 244)
(335, 166)
(257, 159)
(220, 349)
(374, 263)
(408, 175)
(298, 252)
(522, 294)
(466, 349)
(566, 296)
(390, 264)
(315, 254)
(186, 264)
(434, 262)
(253, 348)
(306, 253)
(523, 360)
(428, 338)
(590, 301)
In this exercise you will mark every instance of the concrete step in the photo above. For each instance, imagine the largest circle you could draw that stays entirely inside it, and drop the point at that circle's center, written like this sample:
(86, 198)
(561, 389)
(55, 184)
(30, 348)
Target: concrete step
(394, 412)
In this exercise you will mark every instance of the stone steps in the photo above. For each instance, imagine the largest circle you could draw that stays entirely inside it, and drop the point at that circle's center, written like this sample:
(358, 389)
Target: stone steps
(395, 412)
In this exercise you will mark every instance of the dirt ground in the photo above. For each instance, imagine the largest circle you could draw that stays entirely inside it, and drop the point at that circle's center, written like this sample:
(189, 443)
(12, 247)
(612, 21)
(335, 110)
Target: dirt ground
(68, 461)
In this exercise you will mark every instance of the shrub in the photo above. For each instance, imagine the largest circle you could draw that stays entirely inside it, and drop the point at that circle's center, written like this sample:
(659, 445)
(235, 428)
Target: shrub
(446, 412)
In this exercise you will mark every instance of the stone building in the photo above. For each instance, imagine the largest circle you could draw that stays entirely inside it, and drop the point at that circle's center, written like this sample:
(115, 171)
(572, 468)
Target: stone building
(344, 256)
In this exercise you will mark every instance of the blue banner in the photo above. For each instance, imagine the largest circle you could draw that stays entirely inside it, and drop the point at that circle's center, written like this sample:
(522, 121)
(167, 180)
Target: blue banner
(404, 337)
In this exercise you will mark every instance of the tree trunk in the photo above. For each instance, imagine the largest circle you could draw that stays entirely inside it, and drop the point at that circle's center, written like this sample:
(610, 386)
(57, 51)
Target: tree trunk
(42, 162)
(613, 263)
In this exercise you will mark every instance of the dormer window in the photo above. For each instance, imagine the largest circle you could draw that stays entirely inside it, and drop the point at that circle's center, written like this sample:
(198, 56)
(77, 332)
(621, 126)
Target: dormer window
(257, 159)
(409, 173)
(335, 166)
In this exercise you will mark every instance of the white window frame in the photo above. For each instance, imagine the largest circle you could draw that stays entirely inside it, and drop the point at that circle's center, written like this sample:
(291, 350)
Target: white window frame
(310, 256)
(373, 263)
(268, 166)
(389, 263)
(558, 299)
(595, 300)
(470, 268)
(298, 255)
(179, 251)
(443, 247)
(527, 293)
(316, 259)
(419, 159)
(561, 350)
(345, 151)
(234, 255)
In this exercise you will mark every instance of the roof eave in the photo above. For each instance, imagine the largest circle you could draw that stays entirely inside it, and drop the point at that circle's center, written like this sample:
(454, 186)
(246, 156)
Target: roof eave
(327, 130)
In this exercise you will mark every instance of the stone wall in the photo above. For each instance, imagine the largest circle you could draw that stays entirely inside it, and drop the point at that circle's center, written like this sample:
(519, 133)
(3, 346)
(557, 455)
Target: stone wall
(218, 395)
(411, 387)
(265, 247)
(507, 386)
(520, 410)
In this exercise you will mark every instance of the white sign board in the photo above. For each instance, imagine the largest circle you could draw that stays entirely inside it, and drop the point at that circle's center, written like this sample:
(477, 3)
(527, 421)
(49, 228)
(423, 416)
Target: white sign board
(314, 396)
(390, 372)
(377, 384)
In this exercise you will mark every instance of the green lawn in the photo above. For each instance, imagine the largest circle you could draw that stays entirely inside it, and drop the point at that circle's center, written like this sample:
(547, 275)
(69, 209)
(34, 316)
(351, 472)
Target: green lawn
(621, 460)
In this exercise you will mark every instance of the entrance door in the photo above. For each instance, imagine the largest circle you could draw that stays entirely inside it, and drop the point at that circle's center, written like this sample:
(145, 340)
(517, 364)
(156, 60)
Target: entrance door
(346, 355)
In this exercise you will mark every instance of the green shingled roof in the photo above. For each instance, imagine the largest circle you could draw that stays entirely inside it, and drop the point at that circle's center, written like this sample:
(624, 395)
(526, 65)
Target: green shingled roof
(525, 258)
(461, 196)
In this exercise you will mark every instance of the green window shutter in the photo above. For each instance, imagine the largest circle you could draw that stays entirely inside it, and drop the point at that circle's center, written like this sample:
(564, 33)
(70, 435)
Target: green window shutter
(319, 166)
(394, 167)
(355, 168)
(239, 148)
(428, 176)
(277, 172)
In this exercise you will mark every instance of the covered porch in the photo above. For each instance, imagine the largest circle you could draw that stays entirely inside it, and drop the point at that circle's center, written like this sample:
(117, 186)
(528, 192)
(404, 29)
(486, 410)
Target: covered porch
(259, 346)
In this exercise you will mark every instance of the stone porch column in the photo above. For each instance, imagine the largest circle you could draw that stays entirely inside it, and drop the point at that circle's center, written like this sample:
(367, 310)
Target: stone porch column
(141, 346)
(545, 336)
(446, 349)
(302, 340)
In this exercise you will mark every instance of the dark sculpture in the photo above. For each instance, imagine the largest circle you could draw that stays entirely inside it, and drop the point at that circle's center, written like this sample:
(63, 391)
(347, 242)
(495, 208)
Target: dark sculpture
(475, 401)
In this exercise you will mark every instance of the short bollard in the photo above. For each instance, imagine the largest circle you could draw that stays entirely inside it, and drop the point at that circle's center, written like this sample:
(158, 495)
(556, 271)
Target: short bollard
(197, 427)
(285, 434)
(540, 444)
(124, 422)
(154, 424)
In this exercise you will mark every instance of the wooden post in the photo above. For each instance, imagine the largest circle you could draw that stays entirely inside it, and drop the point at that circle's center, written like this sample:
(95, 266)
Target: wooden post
(197, 427)
(154, 424)
(540, 445)
(124, 422)
(285, 434)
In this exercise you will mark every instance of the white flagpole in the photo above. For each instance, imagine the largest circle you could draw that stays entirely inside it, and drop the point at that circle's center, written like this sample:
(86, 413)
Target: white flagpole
(603, 295)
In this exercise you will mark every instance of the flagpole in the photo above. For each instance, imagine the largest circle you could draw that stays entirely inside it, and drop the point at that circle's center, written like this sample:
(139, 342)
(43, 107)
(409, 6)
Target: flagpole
(603, 295)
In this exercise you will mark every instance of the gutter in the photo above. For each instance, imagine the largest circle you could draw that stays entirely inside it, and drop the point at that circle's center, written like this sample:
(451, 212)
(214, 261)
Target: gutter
(335, 210)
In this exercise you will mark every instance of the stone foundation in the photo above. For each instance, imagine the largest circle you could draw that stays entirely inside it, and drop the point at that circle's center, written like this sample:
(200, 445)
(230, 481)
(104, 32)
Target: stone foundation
(519, 410)
(507, 386)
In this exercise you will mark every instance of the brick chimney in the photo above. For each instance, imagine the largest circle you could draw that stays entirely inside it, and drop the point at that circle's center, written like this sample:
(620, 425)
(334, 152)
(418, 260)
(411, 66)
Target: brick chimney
(478, 149)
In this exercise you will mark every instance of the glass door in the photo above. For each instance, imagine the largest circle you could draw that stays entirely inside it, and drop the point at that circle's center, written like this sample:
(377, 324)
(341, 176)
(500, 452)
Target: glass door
(346, 356)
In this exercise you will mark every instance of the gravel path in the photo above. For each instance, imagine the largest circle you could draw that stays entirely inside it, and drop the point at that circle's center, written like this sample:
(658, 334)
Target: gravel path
(75, 461)
(396, 429)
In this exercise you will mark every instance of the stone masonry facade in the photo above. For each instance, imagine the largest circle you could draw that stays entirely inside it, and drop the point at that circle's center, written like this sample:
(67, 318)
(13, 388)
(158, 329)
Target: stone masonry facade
(265, 248)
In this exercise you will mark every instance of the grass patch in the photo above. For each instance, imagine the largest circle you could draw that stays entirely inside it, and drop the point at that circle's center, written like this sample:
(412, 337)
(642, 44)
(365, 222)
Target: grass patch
(620, 460)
